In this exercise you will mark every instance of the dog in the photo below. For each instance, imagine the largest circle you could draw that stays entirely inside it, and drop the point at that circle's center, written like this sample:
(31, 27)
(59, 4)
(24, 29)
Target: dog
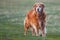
(35, 20)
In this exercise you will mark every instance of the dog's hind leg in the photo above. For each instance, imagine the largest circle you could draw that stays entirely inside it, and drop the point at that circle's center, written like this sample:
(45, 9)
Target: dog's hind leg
(25, 30)
(26, 26)
(33, 31)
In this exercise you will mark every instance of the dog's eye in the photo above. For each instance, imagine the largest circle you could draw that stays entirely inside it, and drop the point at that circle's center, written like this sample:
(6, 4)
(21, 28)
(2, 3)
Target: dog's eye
(38, 9)
(39, 6)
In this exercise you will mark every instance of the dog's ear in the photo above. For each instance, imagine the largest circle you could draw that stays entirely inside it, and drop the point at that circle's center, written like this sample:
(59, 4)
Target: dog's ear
(42, 5)
(34, 6)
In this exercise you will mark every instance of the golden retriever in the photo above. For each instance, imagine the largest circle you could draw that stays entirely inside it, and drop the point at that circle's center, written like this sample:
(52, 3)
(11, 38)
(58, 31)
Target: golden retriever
(35, 20)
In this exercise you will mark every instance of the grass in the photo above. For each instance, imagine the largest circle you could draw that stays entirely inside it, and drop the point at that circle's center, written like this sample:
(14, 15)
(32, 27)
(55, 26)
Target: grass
(12, 14)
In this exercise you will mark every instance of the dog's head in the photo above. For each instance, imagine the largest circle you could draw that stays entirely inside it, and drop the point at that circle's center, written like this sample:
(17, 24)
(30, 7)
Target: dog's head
(39, 7)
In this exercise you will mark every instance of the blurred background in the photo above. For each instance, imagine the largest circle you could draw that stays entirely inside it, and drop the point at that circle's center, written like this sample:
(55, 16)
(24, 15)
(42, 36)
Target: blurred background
(12, 14)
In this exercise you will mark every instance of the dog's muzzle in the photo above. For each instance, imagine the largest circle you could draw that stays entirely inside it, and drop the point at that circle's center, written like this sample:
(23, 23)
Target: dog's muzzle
(38, 9)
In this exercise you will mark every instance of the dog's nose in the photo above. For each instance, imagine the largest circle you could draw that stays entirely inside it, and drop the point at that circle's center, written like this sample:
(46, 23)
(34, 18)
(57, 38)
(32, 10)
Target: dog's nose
(39, 9)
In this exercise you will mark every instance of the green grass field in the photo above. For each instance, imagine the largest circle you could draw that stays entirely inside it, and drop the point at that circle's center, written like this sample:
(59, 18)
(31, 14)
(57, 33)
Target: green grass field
(12, 14)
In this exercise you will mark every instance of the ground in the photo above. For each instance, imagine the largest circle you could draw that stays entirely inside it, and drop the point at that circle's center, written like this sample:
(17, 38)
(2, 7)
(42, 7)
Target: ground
(12, 14)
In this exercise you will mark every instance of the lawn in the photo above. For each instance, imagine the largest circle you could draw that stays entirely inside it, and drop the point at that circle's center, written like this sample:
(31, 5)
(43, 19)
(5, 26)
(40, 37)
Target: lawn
(12, 14)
